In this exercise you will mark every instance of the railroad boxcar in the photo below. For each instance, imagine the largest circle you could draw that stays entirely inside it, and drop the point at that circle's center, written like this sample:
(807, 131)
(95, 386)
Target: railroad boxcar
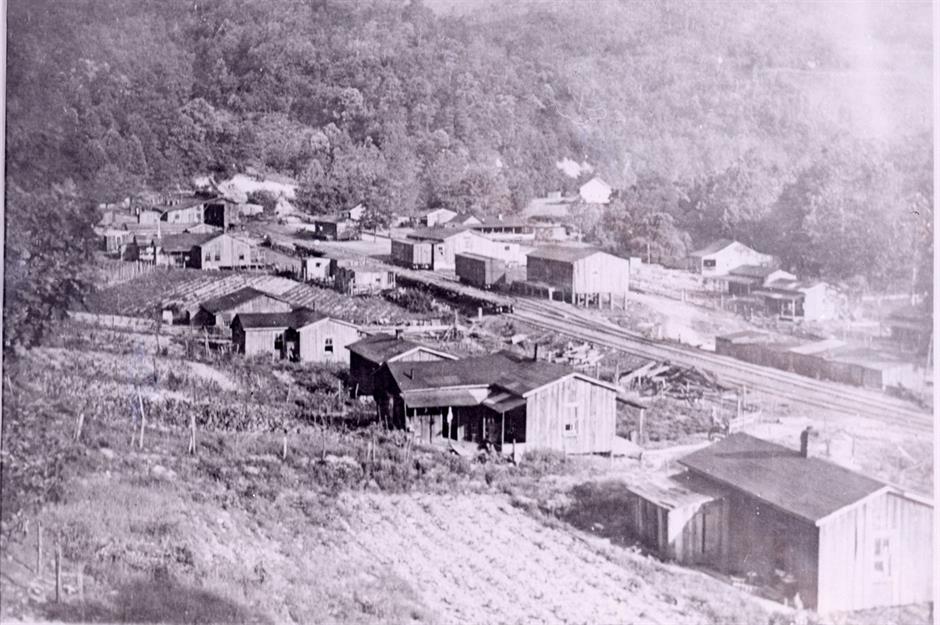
(480, 271)
(412, 254)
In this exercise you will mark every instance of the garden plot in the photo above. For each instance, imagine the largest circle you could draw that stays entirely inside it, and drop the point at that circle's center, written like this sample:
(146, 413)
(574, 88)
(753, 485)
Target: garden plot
(186, 289)
(477, 559)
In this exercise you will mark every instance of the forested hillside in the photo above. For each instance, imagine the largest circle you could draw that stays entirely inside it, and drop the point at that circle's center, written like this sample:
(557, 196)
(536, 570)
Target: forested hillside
(717, 119)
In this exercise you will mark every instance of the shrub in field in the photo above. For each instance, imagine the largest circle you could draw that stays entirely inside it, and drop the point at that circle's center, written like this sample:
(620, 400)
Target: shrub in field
(412, 300)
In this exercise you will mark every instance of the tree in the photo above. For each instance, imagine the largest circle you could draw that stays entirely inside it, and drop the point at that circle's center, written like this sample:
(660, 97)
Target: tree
(47, 270)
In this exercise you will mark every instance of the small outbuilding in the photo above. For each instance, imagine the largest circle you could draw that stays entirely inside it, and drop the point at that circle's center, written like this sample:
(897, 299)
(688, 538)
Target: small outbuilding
(302, 335)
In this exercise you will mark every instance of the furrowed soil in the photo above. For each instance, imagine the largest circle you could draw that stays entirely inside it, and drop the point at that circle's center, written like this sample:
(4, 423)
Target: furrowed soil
(281, 516)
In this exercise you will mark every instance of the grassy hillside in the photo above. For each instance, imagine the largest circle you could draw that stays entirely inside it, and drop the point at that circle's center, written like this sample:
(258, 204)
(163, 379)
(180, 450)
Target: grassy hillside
(352, 526)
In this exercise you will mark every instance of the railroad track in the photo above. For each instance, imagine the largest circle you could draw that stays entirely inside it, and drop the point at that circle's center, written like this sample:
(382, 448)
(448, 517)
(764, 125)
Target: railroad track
(781, 384)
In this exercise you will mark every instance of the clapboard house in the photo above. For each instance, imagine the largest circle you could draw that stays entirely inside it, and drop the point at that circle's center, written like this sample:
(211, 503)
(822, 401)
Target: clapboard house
(302, 335)
(797, 299)
(791, 523)
(580, 275)
(177, 250)
(743, 280)
(362, 278)
(227, 251)
(188, 210)
(367, 355)
(220, 311)
(500, 400)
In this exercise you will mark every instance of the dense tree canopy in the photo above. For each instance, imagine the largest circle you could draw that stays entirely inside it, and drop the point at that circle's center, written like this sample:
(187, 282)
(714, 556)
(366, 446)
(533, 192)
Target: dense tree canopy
(707, 115)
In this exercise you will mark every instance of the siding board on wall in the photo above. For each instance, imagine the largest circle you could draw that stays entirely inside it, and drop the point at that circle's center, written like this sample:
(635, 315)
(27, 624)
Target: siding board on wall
(589, 407)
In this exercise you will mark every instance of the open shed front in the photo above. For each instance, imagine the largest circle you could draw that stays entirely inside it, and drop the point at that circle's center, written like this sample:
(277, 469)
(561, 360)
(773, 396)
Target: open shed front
(463, 417)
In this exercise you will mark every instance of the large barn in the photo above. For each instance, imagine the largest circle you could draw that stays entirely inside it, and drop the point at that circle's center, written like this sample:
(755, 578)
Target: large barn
(793, 523)
(580, 275)
(504, 400)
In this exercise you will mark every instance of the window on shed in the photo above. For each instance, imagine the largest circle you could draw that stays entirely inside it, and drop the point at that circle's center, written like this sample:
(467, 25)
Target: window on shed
(328, 345)
(570, 409)
(709, 262)
(241, 255)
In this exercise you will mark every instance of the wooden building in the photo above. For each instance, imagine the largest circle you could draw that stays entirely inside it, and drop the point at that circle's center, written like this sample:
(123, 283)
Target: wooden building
(797, 299)
(723, 255)
(742, 281)
(220, 311)
(447, 243)
(148, 215)
(370, 353)
(221, 214)
(580, 275)
(176, 250)
(595, 191)
(500, 229)
(800, 525)
(361, 279)
(503, 400)
(437, 217)
(302, 335)
(315, 268)
(228, 251)
(335, 228)
(461, 220)
(412, 254)
(190, 210)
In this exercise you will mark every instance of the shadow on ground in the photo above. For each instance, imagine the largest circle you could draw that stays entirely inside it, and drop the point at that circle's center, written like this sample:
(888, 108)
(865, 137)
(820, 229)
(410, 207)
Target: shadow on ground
(157, 601)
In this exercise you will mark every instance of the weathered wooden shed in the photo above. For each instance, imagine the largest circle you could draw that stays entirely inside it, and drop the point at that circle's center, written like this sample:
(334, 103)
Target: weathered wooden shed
(580, 275)
(412, 254)
(502, 399)
(359, 279)
(336, 228)
(370, 353)
(302, 335)
(220, 311)
(796, 299)
(227, 251)
(803, 525)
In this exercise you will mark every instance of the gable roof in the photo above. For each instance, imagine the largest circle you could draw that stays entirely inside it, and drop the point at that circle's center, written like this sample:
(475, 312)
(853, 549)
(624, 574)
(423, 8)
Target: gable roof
(177, 243)
(714, 247)
(564, 254)
(438, 234)
(755, 271)
(235, 298)
(596, 181)
(809, 488)
(382, 347)
(296, 319)
(185, 204)
(502, 370)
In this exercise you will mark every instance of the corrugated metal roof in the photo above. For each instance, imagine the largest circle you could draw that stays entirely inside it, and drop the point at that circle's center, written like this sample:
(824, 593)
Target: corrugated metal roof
(809, 488)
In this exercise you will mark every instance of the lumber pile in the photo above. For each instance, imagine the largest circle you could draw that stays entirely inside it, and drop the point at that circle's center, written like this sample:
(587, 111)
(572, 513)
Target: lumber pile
(664, 378)
(583, 355)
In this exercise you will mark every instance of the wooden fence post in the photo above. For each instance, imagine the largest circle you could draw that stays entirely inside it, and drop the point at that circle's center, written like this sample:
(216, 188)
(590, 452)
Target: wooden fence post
(78, 428)
(284, 450)
(38, 547)
(58, 573)
(143, 419)
(192, 433)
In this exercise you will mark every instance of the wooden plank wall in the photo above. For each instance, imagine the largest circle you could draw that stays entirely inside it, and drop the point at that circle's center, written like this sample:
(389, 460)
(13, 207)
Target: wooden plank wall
(601, 273)
(313, 339)
(847, 576)
(590, 407)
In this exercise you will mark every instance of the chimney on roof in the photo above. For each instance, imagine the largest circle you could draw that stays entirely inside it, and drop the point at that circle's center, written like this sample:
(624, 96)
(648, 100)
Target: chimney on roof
(804, 441)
